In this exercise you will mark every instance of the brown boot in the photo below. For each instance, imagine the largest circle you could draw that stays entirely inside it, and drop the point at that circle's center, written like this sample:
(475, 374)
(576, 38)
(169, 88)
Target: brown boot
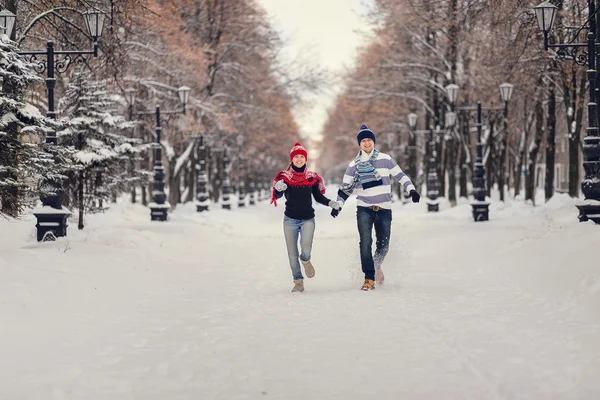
(368, 285)
(308, 268)
(298, 285)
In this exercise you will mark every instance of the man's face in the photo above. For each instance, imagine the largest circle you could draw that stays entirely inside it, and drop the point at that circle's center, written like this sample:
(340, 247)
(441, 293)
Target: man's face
(367, 145)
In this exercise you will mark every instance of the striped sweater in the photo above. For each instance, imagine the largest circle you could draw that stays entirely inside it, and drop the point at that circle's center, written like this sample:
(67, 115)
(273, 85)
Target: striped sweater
(378, 195)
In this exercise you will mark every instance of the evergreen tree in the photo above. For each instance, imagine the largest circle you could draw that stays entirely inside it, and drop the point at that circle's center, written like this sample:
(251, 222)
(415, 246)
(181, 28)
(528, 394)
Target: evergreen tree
(102, 151)
(23, 164)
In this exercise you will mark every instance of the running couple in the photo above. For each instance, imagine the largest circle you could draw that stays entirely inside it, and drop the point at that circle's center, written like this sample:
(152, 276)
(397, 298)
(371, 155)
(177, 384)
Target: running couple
(369, 175)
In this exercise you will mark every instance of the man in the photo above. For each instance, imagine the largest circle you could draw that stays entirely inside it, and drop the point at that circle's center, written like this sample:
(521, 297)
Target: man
(369, 174)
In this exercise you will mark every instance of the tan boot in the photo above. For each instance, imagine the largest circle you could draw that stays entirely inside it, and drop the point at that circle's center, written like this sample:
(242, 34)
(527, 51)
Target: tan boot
(379, 278)
(308, 268)
(368, 285)
(298, 285)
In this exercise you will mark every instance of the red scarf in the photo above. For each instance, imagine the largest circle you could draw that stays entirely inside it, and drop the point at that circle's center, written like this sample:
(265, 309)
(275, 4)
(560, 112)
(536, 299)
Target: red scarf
(296, 179)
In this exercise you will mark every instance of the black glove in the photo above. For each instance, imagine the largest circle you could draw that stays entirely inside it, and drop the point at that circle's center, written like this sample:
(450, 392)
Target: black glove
(415, 196)
(334, 212)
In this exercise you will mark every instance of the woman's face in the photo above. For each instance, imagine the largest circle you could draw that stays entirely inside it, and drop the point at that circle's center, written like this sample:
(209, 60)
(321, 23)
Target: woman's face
(298, 161)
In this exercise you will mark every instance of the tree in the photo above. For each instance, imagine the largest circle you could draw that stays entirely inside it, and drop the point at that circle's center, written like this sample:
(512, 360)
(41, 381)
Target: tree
(92, 129)
(22, 164)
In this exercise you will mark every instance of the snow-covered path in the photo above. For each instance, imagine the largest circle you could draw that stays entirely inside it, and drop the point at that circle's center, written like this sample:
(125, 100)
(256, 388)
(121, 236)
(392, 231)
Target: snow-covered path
(199, 308)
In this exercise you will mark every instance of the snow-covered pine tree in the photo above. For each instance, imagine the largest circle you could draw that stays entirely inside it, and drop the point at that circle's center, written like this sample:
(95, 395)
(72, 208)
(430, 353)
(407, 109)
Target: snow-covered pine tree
(23, 164)
(91, 126)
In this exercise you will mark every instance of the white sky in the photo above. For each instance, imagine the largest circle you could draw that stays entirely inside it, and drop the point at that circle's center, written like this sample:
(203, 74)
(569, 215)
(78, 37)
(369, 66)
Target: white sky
(331, 30)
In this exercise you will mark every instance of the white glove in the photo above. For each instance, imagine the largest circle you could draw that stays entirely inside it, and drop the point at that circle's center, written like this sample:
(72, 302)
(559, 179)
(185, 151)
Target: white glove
(280, 186)
(335, 205)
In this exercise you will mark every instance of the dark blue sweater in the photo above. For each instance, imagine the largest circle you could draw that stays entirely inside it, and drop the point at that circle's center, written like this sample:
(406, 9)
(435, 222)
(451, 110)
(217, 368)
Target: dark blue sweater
(298, 203)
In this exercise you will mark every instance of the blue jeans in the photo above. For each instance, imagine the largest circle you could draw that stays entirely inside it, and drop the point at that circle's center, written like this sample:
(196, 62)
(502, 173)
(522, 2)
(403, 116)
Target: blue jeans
(382, 220)
(292, 228)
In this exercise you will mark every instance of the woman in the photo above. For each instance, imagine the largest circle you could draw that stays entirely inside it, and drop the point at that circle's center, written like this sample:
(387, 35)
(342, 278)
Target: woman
(299, 185)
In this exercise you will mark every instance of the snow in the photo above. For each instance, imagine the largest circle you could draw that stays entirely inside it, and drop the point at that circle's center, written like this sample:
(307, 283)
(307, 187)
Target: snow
(31, 112)
(50, 210)
(199, 307)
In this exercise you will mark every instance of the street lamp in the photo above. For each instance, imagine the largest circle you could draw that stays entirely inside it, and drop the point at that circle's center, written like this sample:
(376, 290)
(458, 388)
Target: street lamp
(184, 96)
(506, 90)
(432, 176)
(202, 199)
(589, 209)
(7, 22)
(412, 146)
(52, 216)
(412, 120)
(159, 207)
(480, 205)
(545, 14)
(452, 92)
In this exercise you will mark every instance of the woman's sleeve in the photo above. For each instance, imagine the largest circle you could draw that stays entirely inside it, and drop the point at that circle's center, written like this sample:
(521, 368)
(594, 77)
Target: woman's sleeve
(319, 197)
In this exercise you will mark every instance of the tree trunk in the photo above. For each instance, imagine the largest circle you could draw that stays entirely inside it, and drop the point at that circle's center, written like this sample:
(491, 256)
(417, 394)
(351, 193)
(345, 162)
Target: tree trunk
(174, 181)
(575, 136)
(533, 152)
(80, 200)
(490, 164)
(550, 145)
(502, 156)
(465, 157)
(451, 168)
(131, 176)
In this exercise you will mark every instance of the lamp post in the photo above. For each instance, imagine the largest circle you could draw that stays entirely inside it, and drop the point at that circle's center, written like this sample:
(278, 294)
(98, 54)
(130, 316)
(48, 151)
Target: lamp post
(52, 216)
(412, 148)
(433, 203)
(159, 206)
(242, 185)
(505, 93)
(202, 199)
(226, 186)
(480, 204)
(589, 208)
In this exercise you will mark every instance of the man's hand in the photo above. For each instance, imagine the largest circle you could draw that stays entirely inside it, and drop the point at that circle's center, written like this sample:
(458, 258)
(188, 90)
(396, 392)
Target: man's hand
(334, 212)
(415, 196)
(280, 186)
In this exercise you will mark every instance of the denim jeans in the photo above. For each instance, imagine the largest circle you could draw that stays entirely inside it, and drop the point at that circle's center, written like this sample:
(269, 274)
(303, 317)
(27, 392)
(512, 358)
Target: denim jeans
(382, 220)
(292, 228)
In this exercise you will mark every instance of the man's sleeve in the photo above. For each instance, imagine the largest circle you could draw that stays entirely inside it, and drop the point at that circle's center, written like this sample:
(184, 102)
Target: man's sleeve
(348, 184)
(400, 176)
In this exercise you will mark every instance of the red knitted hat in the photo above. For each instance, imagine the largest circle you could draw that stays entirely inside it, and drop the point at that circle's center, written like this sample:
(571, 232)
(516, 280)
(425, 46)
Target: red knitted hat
(298, 149)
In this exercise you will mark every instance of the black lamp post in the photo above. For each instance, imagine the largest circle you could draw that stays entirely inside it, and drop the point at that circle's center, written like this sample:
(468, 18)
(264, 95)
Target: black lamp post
(52, 216)
(202, 199)
(505, 93)
(433, 202)
(242, 185)
(412, 149)
(589, 209)
(480, 204)
(159, 206)
(226, 186)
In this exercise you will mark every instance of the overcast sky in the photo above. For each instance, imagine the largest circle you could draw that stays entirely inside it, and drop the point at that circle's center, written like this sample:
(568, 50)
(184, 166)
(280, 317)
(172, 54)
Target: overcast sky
(331, 29)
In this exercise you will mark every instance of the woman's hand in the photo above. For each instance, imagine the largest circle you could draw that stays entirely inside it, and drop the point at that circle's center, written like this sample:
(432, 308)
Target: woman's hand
(280, 186)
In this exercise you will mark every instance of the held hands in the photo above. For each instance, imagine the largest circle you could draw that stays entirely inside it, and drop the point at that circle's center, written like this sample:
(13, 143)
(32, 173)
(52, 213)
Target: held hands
(335, 205)
(280, 186)
(415, 196)
(336, 208)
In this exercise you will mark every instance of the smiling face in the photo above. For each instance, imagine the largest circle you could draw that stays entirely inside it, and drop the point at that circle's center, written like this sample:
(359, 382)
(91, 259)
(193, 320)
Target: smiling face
(367, 145)
(299, 160)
